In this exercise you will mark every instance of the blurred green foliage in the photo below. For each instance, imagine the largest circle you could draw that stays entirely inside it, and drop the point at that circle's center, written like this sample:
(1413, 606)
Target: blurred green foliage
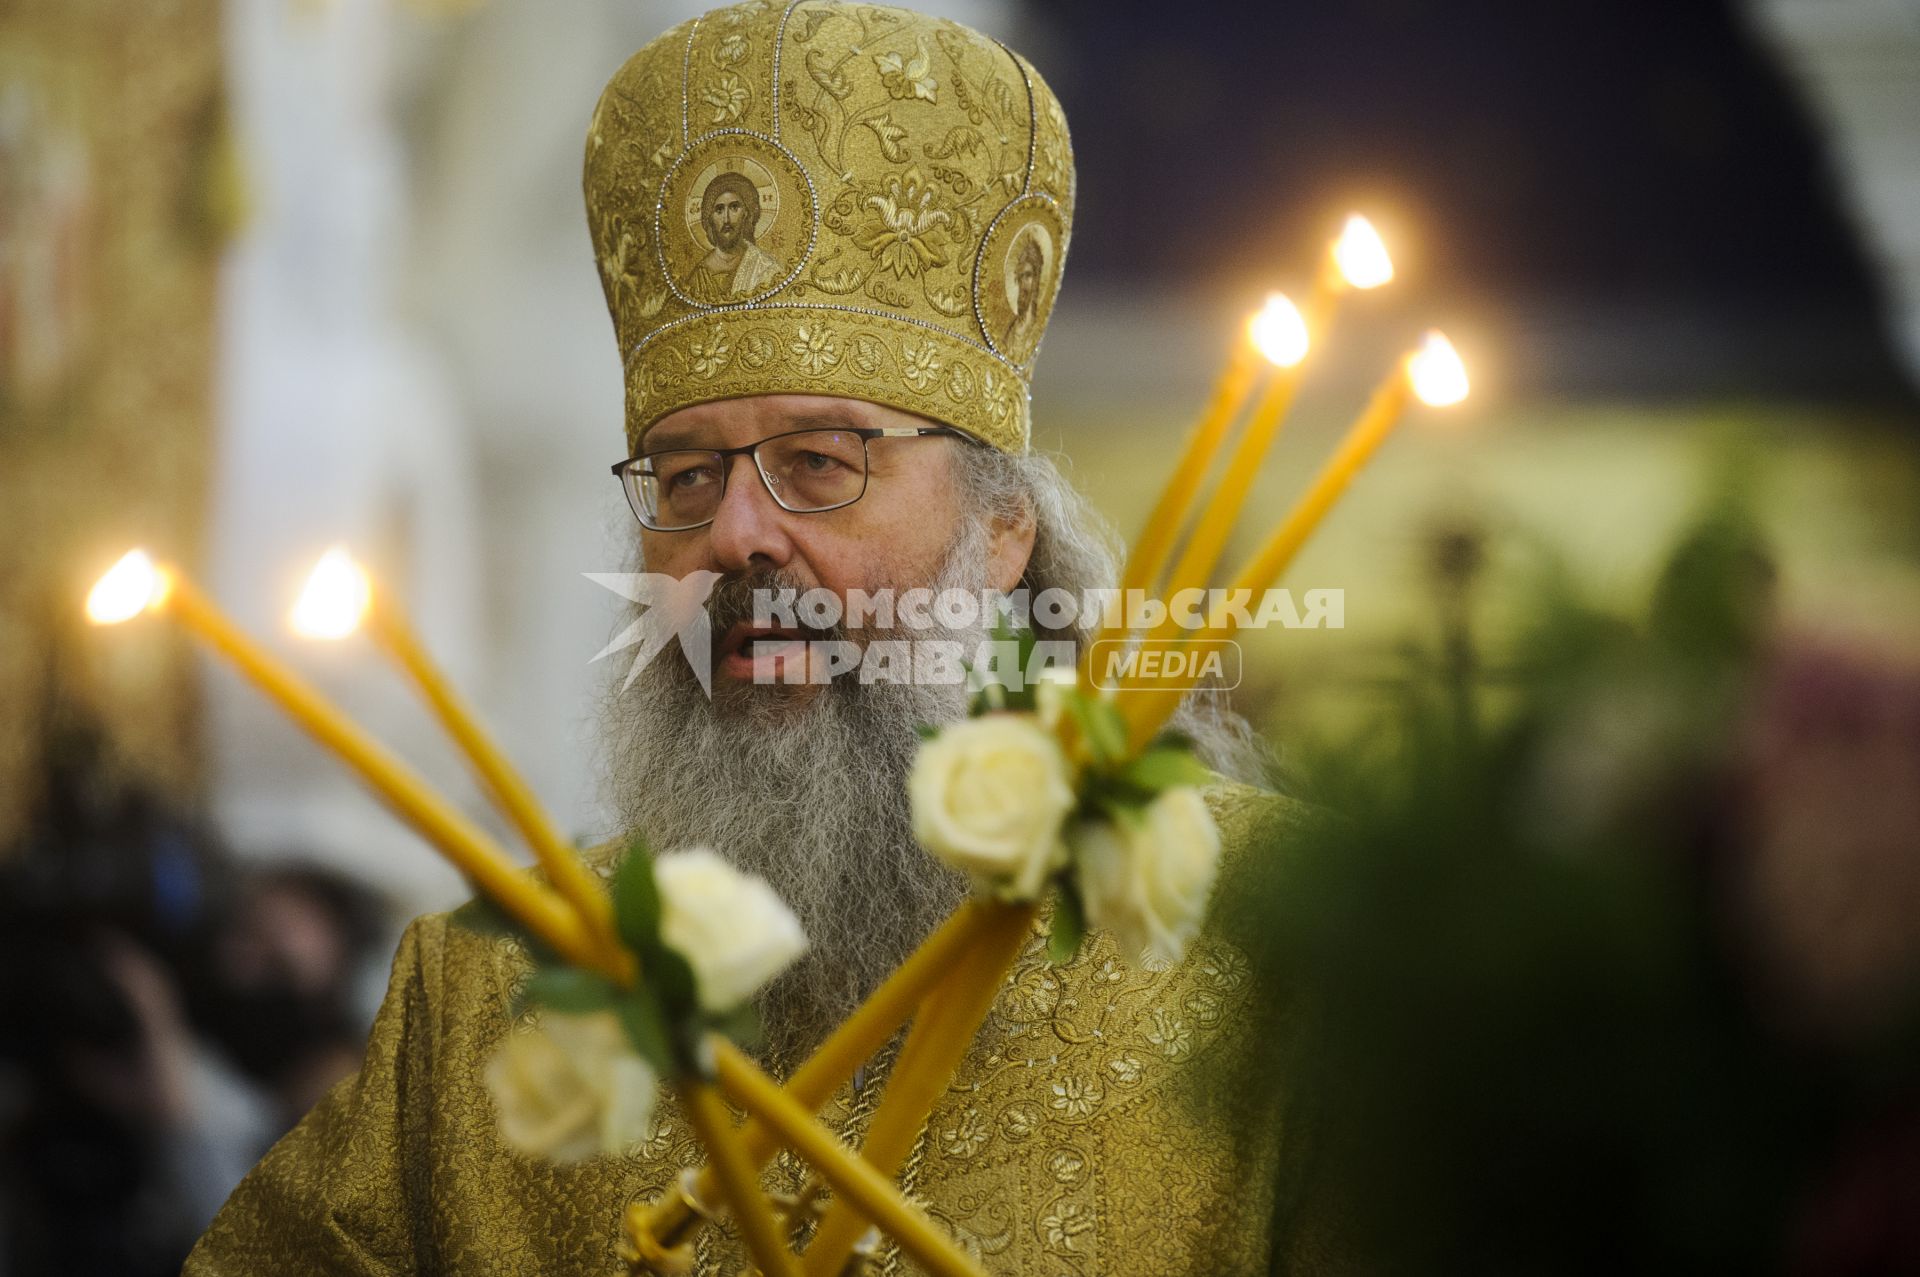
(1528, 1003)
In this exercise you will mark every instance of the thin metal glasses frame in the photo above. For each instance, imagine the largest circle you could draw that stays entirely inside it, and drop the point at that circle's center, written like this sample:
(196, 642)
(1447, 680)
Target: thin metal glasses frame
(626, 470)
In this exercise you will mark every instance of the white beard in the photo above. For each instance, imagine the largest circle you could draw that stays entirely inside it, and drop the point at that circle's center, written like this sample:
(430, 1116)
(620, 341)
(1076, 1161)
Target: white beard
(809, 793)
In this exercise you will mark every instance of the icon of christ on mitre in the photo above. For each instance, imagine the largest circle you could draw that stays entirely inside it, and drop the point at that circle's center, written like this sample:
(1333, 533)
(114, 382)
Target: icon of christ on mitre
(736, 267)
(768, 170)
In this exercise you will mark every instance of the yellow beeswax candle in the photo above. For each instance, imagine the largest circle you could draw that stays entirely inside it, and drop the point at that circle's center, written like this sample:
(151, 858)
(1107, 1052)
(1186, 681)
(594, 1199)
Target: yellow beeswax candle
(851, 1176)
(1156, 541)
(340, 596)
(119, 596)
(1357, 258)
(935, 1045)
(1434, 374)
(854, 1042)
(738, 1179)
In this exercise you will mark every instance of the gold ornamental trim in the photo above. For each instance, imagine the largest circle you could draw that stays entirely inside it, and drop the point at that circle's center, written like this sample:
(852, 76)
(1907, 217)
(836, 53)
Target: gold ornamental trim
(885, 196)
(804, 349)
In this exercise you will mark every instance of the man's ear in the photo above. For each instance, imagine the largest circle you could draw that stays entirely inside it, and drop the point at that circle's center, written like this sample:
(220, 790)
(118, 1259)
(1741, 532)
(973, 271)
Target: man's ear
(1009, 547)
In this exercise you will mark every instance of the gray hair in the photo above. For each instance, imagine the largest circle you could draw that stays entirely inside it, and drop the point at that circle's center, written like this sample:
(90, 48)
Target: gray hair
(812, 795)
(1076, 549)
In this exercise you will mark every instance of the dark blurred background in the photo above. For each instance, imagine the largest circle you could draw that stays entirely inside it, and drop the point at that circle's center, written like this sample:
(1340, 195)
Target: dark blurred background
(278, 274)
(1642, 174)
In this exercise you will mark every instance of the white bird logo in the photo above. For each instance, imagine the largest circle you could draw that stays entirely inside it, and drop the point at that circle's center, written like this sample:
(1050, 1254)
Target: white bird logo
(674, 607)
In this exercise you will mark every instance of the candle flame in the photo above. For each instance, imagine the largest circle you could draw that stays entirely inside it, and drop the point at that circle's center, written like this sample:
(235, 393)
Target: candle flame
(130, 587)
(1279, 331)
(336, 598)
(1361, 254)
(1438, 376)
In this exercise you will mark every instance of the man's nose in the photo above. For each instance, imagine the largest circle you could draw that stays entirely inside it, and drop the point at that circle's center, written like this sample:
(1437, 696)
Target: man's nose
(749, 529)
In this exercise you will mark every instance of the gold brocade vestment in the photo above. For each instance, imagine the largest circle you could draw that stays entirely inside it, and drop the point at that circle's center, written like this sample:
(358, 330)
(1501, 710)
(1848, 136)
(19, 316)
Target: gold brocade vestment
(1073, 1140)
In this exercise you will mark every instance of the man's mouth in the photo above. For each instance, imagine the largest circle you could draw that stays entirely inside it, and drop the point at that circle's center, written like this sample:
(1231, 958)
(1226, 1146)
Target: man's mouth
(758, 652)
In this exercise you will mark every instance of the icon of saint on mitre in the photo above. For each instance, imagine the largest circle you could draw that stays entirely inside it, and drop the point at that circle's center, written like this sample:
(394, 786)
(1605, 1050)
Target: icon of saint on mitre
(1029, 264)
(1019, 271)
(733, 217)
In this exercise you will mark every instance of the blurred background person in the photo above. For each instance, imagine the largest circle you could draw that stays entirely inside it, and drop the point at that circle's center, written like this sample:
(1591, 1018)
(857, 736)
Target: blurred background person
(169, 1013)
(287, 981)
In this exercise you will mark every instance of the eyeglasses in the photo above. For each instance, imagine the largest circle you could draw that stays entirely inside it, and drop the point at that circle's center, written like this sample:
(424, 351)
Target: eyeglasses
(805, 471)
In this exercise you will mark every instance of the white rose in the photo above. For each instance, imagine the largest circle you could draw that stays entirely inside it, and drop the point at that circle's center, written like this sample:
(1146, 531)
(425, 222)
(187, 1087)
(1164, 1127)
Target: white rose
(731, 927)
(1147, 881)
(570, 1087)
(989, 795)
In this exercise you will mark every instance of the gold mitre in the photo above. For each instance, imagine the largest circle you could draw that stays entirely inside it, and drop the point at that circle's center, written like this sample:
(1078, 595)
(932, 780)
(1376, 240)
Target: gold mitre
(837, 199)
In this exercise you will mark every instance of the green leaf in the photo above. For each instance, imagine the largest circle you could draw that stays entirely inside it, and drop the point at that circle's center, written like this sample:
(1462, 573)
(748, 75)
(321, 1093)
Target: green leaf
(646, 1029)
(1103, 725)
(1069, 925)
(671, 979)
(570, 990)
(1026, 700)
(1028, 640)
(1159, 769)
(1120, 802)
(742, 1026)
(1018, 641)
(1171, 738)
(636, 900)
(1113, 796)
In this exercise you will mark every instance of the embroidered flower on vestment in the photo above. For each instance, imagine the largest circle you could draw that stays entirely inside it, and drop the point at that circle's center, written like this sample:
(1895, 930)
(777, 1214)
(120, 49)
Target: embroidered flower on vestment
(728, 98)
(905, 77)
(903, 229)
(920, 366)
(814, 349)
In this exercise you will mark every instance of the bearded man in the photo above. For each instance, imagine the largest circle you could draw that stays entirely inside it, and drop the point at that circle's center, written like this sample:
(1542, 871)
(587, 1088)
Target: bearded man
(737, 267)
(814, 440)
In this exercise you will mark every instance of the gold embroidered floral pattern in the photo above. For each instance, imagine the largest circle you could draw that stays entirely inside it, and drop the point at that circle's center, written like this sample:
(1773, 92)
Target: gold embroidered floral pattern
(920, 365)
(759, 348)
(621, 257)
(728, 98)
(1077, 1097)
(1065, 1225)
(823, 350)
(1019, 1121)
(904, 230)
(1204, 1007)
(867, 354)
(1034, 995)
(890, 136)
(907, 77)
(1227, 971)
(710, 356)
(959, 383)
(1068, 1166)
(867, 176)
(814, 348)
(1000, 397)
(948, 301)
(1170, 1034)
(400, 1171)
(965, 1138)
